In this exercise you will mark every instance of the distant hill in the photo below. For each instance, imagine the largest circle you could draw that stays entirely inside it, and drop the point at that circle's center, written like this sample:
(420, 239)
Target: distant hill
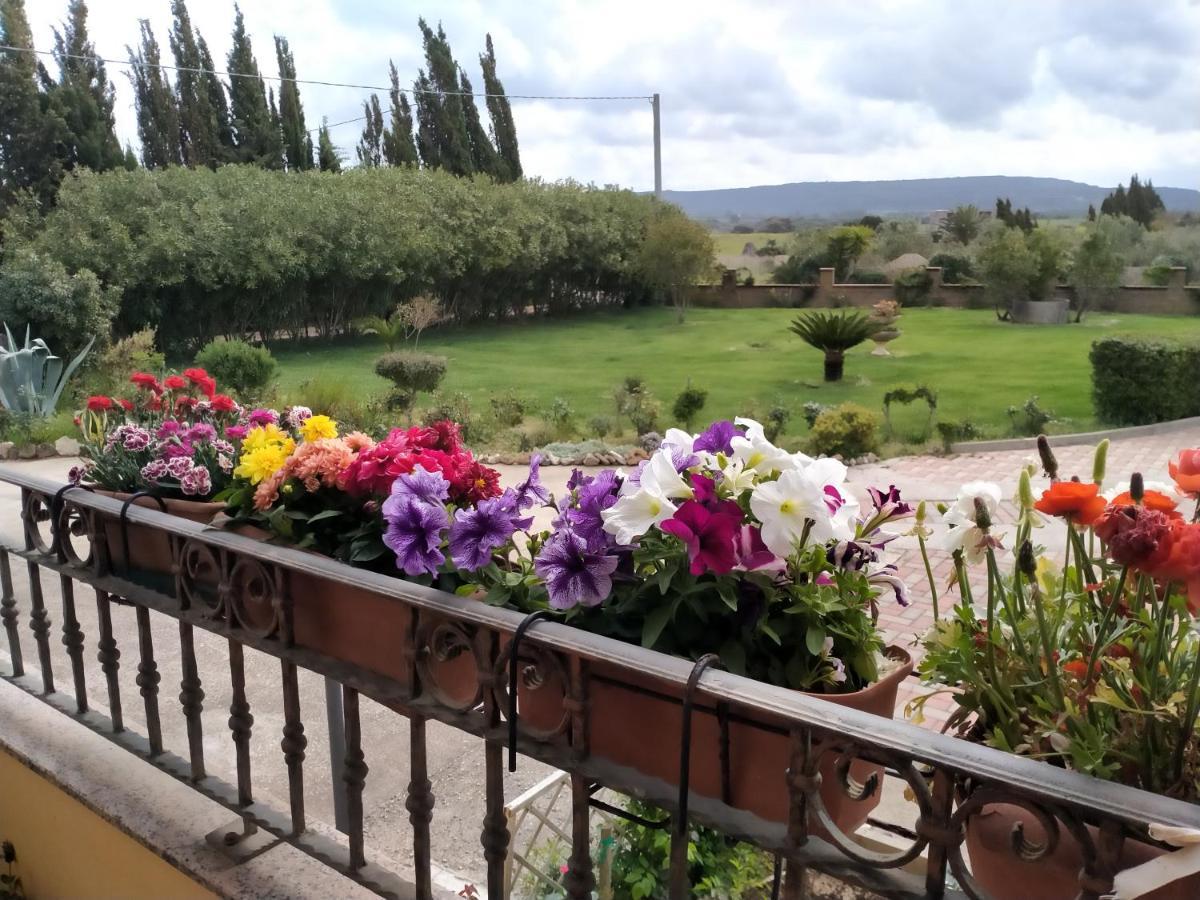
(844, 199)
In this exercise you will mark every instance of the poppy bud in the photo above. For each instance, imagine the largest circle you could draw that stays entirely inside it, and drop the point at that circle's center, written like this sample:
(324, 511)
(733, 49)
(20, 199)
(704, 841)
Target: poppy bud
(1025, 490)
(941, 508)
(1049, 463)
(921, 513)
(1137, 487)
(982, 517)
(1100, 461)
(1026, 563)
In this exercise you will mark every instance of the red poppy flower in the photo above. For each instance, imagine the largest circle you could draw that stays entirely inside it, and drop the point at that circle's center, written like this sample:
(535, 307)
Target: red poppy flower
(1186, 471)
(1078, 668)
(175, 382)
(99, 404)
(1132, 534)
(155, 404)
(127, 405)
(1178, 560)
(223, 403)
(146, 382)
(184, 404)
(1077, 501)
(1150, 499)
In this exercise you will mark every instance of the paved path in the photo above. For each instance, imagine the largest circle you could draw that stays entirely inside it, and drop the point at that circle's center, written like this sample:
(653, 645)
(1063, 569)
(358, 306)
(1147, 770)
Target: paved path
(455, 759)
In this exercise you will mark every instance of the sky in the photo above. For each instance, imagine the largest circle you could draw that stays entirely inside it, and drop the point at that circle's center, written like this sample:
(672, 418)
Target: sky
(754, 91)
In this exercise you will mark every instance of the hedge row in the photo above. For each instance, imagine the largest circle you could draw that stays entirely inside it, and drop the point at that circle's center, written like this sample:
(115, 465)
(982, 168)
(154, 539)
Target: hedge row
(199, 253)
(1139, 381)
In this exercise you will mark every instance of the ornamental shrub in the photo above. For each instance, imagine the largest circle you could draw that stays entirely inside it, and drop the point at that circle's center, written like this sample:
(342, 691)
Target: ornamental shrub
(412, 374)
(634, 401)
(810, 410)
(600, 426)
(777, 419)
(65, 310)
(848, 430)
(913, 287)
(955, 269)
(136, 353)
(245, 370)
(1029, 419)
(1138, 381)
(508, 409)
(560, 414)
(954, 431)
(688, 405)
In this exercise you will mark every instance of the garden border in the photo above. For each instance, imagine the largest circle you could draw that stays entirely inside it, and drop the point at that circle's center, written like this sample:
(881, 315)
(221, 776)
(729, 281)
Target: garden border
(1083, 437)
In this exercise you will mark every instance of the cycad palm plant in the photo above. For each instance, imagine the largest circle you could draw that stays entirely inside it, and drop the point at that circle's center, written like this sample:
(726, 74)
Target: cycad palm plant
(393, 330)
(833, 333)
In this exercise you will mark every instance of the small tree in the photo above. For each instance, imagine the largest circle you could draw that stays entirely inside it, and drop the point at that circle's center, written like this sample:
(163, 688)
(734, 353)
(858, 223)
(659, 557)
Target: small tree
(1019, 266)
(845, 246)
(675, 253)
(833, 333)
(244, 369)
(688, 405)
(418, 314)
(411, 373)
(962, 224)
(1096, 272)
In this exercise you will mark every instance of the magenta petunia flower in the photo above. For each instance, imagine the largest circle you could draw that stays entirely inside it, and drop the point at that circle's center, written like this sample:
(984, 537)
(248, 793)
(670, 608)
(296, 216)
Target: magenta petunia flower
(708, 535)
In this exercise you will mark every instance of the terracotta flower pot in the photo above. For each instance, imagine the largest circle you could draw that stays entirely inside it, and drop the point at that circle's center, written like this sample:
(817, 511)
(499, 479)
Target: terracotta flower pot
(1005, 876)
(149, 549)
(638, 726)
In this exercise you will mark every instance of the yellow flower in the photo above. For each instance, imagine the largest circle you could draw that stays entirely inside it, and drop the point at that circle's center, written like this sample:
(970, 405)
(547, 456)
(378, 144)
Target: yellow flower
(263, 435)
(262, 463)
(316, 428)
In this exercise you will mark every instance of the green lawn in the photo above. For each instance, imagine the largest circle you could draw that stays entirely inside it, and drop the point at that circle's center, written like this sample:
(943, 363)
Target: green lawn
(724, 242)
(748, 360)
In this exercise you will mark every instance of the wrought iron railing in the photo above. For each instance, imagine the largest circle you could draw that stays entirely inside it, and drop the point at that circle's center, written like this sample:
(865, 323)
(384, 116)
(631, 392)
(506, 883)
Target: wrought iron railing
(242, 590)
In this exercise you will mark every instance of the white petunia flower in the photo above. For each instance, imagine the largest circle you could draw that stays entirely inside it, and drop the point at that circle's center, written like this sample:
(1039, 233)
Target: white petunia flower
(635, 514)
(660, 477)
(812, 499)
(754, 451)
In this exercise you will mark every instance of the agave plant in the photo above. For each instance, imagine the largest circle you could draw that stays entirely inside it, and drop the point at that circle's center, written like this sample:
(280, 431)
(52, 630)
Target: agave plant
(834, 333)
(31, 377)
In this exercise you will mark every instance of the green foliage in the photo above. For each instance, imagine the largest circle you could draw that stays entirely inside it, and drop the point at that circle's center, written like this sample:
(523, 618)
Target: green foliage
(342, 400)
(634, 401)
(688, 405)
(257, 135)
(1140, 202)
(456, 407)
(798, 269)
(1029, 419)
(1019, 266)
(1020, 219)
(157, 111)
(913, 287)
(508, 409)
(845, 246)
(32, 378)
(962, 224)
(675, 253)
(907, 395)
(297, 145)
(600, 426)
(867, 276)
(777, 419)
(955, 269)
(810, 410)
(411, 373)
(66, 310)
(718, 867)
(244, 369)
(120, 359)
(329, 159)
(954, 431)
(1158, 273)
(848, 430)
(204, 132)
(391, 330)
(1095, 271)
(833, 333)
(399, 148)
(1138, 381)
(560, 415)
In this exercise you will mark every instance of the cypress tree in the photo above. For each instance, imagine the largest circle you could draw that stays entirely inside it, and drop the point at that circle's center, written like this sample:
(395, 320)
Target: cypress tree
(199, 130)
(256, 133)
(157, 114)
(327, 155)
(447, 106)
(31, 133)
(483, 155)
(370, 145)
(429, 140)
(84, 97)
(398, 146)
(1091, 214)
(130, 162)
(504, 129)
(297, 145)
(218, 103)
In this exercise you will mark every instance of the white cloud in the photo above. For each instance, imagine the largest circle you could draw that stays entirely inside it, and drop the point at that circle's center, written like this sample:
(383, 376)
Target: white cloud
(760, 92)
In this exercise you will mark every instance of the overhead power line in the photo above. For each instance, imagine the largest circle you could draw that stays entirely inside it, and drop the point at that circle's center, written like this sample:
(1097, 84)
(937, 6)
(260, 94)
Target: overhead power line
(362, 87)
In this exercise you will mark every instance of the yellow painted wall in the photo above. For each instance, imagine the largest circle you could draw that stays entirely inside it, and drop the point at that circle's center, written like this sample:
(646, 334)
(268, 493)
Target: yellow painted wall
(64, 850)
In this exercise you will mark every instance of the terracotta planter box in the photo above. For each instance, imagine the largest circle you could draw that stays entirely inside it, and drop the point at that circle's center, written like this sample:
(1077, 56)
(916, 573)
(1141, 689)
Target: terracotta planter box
(149, 549)
(1005, 876)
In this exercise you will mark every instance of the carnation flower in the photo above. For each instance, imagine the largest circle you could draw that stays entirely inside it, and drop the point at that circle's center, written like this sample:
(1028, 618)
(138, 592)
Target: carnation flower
(146, 382)
(263, 417)
(99, 404)
(223, 403)
(197, 482)
(76, 473)
(1133, 534)
(236, 432)
(298, 415)
(179, 466)
(201, 432)
(174, 382)
(135, 438)
(154, 470)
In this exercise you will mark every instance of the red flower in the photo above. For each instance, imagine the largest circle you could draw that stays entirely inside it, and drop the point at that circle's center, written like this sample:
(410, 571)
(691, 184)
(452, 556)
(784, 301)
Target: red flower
(146, 382)
(127, 405)
(473, 481)
(175, 382)
(1178, 559)
(99, 404)
(445, 436)
(185, 404)
(1078, 668)
(1186, 471)
(708, 535)
(1133, 534)
(155, 404)
(202, 380)
(223, 403)
(1150, 499)
(1076, 501)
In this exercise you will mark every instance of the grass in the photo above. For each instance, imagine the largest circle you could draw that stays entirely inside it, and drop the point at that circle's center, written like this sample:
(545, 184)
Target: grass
(733, 243)
(748, 360)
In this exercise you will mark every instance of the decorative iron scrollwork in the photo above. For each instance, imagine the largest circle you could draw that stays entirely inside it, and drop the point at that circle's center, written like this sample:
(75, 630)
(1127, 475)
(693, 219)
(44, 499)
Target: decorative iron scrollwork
(254, 597)
(542, 684)
(447, 666)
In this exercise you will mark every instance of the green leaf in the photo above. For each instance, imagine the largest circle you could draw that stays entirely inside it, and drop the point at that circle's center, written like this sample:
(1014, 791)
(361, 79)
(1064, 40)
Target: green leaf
(325, 514)
(655, 622)
(733, 656)
(725, 589)
(814, 639)
(771, 633)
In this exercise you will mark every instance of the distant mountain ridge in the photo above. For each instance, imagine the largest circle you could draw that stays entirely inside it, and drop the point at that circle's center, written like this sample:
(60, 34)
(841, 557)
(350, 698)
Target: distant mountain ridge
(843, 199)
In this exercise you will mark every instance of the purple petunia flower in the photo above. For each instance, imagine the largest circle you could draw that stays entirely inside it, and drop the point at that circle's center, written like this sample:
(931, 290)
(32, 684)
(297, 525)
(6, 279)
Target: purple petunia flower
(414, 533)
(477, 532)
(596, 494)
(718, 437)
(574, 575)
(426, 486)
(263, 417)
(531, 490)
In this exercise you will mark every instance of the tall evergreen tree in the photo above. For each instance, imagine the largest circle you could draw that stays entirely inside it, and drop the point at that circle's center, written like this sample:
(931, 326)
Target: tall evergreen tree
(398, 146)
(84, 97)
(1091, 213)
(157, 114)
(297, 144)
(370, 145)
(256, 134)
(447, 105)
(328, 157)
(429, 139)
(130, 162)
(503, 128)
(31, 133)
(483, 155)
(218, 102)
(199, 126)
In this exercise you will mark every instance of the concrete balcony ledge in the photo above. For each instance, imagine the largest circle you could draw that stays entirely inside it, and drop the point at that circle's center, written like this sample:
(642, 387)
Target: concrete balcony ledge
(161, 814)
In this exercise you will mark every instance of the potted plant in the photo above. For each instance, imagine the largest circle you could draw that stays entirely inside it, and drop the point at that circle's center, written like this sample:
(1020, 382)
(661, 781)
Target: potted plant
(173, 443)
(884, 315)
(1091, 665)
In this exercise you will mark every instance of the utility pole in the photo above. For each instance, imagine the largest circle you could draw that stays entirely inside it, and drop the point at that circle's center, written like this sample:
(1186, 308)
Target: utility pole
(655, 105)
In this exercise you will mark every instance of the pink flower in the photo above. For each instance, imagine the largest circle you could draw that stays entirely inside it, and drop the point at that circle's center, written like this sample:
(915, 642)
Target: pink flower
(708, 535)
(751, 552)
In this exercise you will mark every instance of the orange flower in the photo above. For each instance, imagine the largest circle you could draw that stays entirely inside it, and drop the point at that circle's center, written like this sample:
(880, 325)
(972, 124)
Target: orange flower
(1076, 501)
(1151, 500)
(1077, 668)
(1178, 559)
(1186, 471)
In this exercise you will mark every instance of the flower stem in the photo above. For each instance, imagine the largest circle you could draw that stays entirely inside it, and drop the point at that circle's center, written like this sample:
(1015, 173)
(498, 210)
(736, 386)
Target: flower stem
(933, 593)
(1189, 717)
(1105, 620)
(995, 584)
